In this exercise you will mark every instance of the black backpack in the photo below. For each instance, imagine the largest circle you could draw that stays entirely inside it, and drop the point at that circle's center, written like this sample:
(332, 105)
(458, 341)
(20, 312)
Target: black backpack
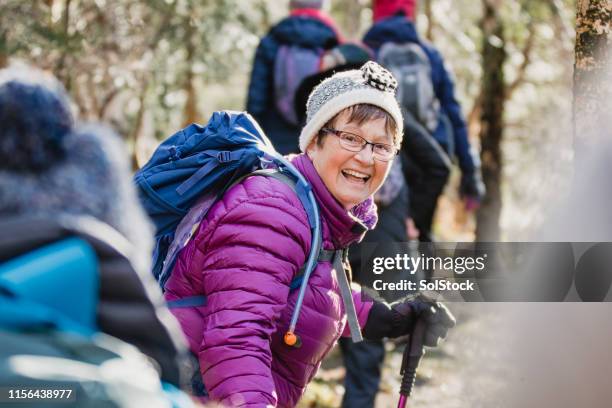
(415, 92)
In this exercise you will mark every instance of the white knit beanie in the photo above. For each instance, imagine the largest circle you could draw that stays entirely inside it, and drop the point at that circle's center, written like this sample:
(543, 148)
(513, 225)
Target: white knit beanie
(372, 84)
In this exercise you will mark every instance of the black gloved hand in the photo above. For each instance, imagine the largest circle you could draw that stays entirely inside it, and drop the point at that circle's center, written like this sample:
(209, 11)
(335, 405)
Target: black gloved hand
(398, 319)
(472, 186)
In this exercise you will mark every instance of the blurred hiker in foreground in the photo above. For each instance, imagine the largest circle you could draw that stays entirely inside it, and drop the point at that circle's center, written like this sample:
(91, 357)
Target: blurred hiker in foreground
(243, 258)
(63, 183)
(291, 51)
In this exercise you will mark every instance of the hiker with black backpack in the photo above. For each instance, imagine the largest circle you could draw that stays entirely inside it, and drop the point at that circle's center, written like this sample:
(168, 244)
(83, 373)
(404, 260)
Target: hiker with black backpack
(74, 259)
(291, 51)
(259, 282)
(435, 127)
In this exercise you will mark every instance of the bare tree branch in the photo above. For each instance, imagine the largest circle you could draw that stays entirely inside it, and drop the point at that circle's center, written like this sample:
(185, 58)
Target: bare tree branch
(137, 159)
(106, 102)
(560, 19)
(59, 67)
(522, 69)
(430, 20)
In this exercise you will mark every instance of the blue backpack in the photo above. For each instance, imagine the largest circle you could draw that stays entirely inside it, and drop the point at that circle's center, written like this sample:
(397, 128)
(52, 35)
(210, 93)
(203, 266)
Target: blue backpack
(192, 169)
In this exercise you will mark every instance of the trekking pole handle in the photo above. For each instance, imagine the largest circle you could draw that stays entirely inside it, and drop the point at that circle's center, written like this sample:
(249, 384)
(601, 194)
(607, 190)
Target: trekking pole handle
(412, 357)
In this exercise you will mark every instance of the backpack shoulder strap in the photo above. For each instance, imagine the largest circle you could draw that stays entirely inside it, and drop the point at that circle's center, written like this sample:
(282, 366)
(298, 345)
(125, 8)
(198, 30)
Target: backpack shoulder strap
(347, 295)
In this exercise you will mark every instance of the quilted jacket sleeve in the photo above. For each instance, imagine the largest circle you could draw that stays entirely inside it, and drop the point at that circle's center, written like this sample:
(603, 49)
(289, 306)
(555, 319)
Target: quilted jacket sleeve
(253, 251)
(445, 91)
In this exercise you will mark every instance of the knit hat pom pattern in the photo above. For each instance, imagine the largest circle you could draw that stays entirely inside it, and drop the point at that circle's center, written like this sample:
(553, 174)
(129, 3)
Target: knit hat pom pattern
(378, 77)
(35, 116)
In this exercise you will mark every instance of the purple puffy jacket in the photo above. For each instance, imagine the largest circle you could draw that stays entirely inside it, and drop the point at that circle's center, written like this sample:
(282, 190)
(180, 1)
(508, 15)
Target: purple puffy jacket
(243, 257)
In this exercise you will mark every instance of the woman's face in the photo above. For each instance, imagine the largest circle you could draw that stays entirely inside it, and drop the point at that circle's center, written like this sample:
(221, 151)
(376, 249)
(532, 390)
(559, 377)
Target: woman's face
(351, 177)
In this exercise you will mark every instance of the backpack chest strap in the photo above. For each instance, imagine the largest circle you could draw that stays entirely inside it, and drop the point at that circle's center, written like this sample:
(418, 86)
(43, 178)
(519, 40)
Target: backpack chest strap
(325, 255)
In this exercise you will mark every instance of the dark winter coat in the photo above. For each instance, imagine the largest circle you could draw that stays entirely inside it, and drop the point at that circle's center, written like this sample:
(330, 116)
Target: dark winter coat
(389, 237)
(399, 29)
(304, 31)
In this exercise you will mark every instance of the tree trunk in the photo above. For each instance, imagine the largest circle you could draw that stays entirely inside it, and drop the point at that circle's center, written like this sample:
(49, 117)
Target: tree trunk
(61, 70)
(491, 132)
(592, 75)
(430, 23)
(349, 17)
(135, 134)
(190, 111)
(3, 48)
(473, 118)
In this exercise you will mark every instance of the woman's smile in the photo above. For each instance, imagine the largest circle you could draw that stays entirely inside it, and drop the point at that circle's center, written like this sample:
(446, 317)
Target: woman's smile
(356, 177)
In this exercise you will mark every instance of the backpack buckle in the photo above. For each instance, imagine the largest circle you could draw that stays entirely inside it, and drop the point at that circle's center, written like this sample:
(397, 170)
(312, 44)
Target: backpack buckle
(224, 156)
(175, 154)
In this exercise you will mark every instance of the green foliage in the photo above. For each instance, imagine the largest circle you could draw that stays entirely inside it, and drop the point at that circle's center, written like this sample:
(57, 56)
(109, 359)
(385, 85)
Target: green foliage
(114, 56)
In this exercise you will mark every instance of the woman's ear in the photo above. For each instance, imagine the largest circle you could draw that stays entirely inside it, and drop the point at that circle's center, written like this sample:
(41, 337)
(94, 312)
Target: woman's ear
(312, 146)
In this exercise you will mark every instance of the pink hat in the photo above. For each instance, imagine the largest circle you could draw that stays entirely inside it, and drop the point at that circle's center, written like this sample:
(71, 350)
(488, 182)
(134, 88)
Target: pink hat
(387, 8)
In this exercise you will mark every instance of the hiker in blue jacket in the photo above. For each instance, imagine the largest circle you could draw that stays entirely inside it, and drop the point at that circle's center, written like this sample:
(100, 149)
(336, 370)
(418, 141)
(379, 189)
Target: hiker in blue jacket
(307, 26)
(393, 24)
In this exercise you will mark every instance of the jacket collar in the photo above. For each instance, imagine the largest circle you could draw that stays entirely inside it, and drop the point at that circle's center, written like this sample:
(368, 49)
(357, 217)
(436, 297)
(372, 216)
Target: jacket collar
(306, 31)
(346, 227)
(397, 28)
(320, 16)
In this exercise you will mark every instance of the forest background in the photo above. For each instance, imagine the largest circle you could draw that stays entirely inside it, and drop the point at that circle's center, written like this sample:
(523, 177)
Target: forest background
(534, 78)
(149, 67)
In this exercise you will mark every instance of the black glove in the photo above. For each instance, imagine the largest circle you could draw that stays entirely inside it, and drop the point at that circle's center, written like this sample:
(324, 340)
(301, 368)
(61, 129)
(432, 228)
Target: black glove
(398, 319)
(472, 186)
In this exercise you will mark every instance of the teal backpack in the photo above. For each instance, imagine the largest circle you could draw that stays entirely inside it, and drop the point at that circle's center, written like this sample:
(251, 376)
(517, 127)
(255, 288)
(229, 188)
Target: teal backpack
(52, 351)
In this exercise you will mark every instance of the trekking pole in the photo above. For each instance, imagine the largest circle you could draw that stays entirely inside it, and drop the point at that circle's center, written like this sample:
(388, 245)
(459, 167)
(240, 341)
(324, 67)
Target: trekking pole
(410, 361)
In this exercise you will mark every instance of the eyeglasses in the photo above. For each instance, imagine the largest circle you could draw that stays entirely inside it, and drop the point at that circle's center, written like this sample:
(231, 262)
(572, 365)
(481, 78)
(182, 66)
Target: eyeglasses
(355, 143)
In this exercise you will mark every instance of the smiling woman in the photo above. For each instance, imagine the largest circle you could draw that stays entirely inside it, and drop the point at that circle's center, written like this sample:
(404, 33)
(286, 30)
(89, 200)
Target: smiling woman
(251, 245)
